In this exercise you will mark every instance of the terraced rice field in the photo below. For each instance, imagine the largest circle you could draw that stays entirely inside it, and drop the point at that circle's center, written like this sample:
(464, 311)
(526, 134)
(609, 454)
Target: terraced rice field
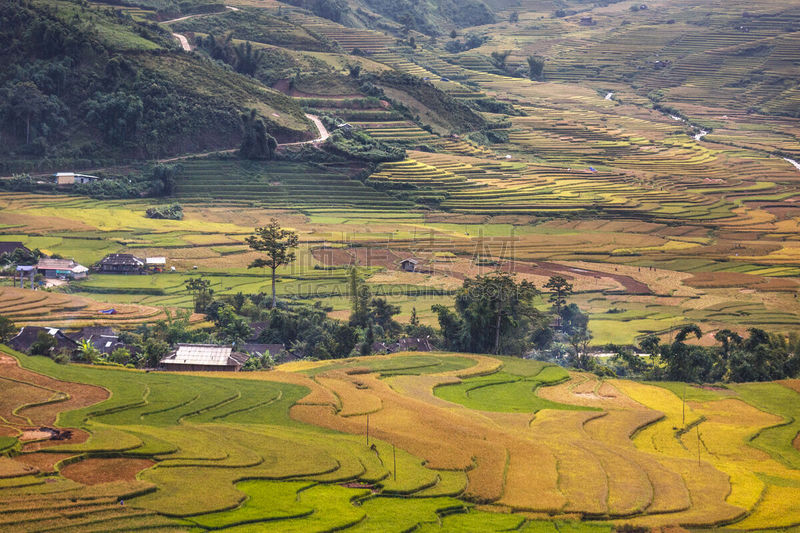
(41, 308)
(445, 431)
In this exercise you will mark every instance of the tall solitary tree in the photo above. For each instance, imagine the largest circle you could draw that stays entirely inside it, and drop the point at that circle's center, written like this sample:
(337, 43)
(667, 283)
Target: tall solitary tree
(201, 292)
(560, 288)
(278, 244)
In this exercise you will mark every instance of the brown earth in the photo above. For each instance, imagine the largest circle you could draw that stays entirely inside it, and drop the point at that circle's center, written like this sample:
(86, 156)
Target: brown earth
(74, 395)
(716, 280)
(390, 258)
(96, 471)
(44, 462)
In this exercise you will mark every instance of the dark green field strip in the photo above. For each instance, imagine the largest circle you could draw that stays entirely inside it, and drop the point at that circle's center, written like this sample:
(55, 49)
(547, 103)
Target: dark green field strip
(780, 400)
(401, 365)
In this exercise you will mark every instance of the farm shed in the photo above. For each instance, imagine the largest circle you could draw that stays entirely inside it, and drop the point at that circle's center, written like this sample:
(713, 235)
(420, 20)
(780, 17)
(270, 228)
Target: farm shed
(409, 265)
(61, 269)
(28, 334)
(203, 357)
(71, 178)
(120, 264)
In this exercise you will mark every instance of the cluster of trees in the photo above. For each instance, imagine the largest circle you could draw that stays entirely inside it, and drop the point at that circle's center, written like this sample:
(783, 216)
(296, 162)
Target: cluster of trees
(20, 256)
(496, 314)
(761, 356)
(535, 70)
(166, 212)
(256, 142)
(155, 182)
(356, 144)
(470, 41)
(243, 58)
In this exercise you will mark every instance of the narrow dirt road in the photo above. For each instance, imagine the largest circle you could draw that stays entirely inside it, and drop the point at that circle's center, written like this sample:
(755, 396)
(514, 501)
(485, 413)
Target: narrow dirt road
(323, 132)
(323, 136)
(184, 42)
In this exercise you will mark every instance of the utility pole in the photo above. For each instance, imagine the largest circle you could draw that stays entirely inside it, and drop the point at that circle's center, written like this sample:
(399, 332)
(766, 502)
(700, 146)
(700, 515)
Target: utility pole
(367, 429)
(683, 408)
(394, 461)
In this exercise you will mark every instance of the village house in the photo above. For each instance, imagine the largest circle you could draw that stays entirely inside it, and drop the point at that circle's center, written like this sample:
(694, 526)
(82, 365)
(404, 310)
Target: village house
(28, 335)
(71, 178)
(409, 265)
(120, 264)
(406, 344)
(101, 337)
(259, 350)
(203, 357)
(61, 269)
(9, 247)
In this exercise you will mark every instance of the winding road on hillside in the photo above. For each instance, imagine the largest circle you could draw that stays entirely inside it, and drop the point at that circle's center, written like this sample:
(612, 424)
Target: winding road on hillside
(321, 129)
(181, 38)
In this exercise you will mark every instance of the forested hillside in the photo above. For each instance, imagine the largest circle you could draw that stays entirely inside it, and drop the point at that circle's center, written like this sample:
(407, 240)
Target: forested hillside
(93, 84)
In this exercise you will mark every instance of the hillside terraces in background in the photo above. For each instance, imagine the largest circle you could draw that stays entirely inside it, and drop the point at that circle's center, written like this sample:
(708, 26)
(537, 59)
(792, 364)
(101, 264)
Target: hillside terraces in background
(275, 184)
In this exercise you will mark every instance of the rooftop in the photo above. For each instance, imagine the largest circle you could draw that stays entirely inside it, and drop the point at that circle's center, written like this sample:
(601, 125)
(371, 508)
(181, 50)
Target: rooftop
(204, 354)
(60, 264)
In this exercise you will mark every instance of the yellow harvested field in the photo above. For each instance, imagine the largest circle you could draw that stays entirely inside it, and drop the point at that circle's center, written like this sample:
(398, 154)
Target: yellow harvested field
(619, 462)
(353, 393)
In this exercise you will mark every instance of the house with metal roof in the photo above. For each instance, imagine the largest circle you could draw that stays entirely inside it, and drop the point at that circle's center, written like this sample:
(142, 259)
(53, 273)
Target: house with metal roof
(203, 357)
(71, 178)
(61, 269)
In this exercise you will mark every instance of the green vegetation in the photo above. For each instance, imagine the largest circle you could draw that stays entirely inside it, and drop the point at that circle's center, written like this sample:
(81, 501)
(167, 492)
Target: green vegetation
(169, 212)
(511, 390)
(126, 91)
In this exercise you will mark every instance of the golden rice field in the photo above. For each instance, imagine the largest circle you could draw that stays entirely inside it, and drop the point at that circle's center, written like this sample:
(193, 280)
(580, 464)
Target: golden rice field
(388, 443)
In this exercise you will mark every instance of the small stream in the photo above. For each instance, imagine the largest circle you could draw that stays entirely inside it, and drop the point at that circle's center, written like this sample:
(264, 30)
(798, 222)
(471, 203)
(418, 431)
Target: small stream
(794, 163)
(609, 95)
(699, 136)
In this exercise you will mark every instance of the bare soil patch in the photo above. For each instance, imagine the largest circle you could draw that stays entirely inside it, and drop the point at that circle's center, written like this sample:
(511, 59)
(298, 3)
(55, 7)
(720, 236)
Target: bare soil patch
(390, 259)
(76, 395)
(716, 280)
(96, 471)
(44, 462)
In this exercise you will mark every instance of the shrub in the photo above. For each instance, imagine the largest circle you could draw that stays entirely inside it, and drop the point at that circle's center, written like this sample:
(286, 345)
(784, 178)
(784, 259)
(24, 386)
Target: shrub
(168, 212)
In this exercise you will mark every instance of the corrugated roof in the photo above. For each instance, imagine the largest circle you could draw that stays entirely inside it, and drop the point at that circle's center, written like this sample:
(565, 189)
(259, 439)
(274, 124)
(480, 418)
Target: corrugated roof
(199, 354)
(156, 260)
(56, 264)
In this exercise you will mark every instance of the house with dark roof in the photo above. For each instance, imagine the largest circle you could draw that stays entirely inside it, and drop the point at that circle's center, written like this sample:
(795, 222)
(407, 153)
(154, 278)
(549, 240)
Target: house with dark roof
(120, 264)
(9, 247)
(406, 344)
(101, 337)
(262, 349)
(61, 269)
(409, 265)
(203, 357)
(28, 335)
